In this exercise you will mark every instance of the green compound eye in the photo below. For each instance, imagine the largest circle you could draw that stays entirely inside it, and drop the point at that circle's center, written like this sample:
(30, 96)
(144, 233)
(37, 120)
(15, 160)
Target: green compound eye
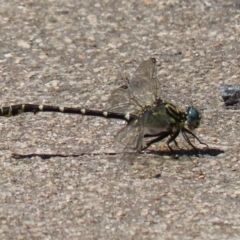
(193, 118)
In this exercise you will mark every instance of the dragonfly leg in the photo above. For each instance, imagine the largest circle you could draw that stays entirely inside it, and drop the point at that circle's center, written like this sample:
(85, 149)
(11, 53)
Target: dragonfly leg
(176, 144)
(184, 131)
(160, 137)
(172, 139)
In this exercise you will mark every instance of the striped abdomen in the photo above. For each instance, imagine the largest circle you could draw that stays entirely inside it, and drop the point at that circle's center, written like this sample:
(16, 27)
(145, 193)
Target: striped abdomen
(21, 108)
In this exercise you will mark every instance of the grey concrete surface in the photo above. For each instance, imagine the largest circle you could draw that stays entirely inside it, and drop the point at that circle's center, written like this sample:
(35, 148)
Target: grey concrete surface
(73, 53)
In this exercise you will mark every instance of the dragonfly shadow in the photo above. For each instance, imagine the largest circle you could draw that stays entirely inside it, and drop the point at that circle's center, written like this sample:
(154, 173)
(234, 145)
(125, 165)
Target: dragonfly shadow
(180, 152)
(48, 156)
(192, 152)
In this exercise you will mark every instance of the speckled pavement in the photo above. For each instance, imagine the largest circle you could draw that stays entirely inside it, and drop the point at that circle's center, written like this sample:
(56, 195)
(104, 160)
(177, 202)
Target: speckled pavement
(73, 53)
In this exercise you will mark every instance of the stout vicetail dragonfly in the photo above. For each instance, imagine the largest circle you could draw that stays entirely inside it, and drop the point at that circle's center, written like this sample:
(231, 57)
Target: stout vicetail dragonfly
(149, 118)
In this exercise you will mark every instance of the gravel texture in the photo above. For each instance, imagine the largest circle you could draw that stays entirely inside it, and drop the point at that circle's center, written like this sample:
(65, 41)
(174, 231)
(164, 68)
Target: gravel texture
(73, 53)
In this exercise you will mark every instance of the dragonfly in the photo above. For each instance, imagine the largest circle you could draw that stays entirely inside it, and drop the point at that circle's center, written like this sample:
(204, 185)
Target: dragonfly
(139, 103)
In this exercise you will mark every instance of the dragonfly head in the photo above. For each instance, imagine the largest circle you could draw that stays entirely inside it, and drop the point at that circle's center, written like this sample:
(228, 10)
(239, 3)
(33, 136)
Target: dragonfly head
(193, 118)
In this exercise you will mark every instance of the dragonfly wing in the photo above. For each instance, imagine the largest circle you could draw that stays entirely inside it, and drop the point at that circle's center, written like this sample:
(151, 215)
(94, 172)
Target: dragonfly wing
(118, 100)
(130, 136)
(141, 91)
(151, 122)
(144, 85)
(121, 101)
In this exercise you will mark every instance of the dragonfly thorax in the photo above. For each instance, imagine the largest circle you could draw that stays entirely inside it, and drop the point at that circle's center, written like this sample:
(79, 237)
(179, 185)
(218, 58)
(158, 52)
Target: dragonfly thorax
(193, 118)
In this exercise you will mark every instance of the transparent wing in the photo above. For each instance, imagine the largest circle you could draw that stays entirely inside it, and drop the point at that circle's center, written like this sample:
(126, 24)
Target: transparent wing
(141, 91)
(121, 101)
(139, 96)
(145, 85)
(130, 137)
(151, 122)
